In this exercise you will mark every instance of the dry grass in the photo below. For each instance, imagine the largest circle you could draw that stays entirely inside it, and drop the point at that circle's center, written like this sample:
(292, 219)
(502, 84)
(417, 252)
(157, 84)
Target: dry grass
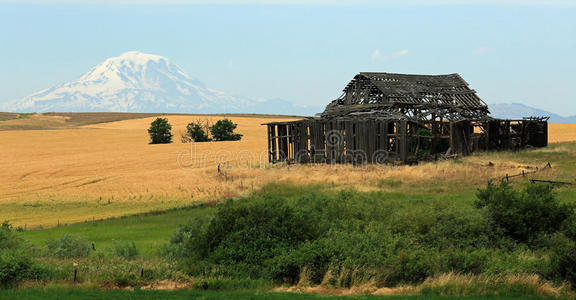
(33, 121)
(561, 132)
(7, 116)
(109, 169)
(453, 284)
(466, 284)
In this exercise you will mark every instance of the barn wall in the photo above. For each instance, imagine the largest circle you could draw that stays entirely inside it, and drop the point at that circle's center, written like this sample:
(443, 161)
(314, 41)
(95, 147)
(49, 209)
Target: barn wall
(382, 140)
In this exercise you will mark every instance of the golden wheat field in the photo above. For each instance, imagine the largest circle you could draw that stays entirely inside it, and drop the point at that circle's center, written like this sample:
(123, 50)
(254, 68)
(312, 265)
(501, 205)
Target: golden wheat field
(96, 171)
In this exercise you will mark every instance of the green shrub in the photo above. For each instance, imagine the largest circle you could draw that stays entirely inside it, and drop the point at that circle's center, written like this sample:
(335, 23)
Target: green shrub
(187, 241)
(15, 262)
(223, 130)
(298, 235)
(465, 261)
(241, 236)
(253, 232)
(8, 239)
(569, 227)
(126, 250)
(563, 259)
(195, 132)
(413, 266)
(160, 131)
(523, 215)
(14, 268)
(68, 246)
(461, 228)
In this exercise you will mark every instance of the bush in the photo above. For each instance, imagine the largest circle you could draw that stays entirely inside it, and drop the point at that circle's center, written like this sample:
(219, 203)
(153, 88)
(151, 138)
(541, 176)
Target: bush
(8, 239)
(523, 215)
(563, 259)
(223, 130)
(187, 239)
(14, 267)
(160, 131)
(195, 132)
(68, 246)
(569, 227)
(15, 262)
(248, 234)
(126, 250)
(242, 236)
(299, 235)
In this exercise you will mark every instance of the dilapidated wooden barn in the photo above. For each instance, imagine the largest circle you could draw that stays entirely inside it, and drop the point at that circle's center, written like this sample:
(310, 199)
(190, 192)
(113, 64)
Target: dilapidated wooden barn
(384, 117)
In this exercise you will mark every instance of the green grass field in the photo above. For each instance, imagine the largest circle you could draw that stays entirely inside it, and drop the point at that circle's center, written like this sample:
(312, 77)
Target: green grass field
(192, 294)
(148, 231)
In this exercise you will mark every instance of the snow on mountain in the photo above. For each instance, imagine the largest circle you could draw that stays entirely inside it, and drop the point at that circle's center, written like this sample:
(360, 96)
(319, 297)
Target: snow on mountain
(139, 82)
(518, 111)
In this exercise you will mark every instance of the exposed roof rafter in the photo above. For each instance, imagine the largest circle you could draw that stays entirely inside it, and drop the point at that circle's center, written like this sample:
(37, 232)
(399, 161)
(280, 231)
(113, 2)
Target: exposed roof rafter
(387, 91)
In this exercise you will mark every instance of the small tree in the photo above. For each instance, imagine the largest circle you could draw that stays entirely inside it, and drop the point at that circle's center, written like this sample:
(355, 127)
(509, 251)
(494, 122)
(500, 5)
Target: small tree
(160, 131)
(223, 130)
(195, 132)
(523, 214)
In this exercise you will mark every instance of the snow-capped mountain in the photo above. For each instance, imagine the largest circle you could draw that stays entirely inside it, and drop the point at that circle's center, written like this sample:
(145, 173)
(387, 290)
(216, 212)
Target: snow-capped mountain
(139, 82)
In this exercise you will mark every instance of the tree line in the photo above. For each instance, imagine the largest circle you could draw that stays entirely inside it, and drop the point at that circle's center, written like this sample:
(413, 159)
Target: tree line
(160, 131)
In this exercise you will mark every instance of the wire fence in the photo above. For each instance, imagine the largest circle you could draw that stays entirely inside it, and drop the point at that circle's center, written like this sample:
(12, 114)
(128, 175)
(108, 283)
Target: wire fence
(548, 165)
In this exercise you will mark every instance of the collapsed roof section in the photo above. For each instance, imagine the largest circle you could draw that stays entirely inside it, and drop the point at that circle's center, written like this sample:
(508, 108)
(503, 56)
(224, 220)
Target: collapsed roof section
(415, 97)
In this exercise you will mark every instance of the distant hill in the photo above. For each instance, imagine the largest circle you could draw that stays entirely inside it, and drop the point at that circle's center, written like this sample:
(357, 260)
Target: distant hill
(144, 83)
(518, 111)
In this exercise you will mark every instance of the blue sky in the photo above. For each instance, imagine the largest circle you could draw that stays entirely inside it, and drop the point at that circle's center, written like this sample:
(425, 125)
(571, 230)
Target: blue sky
(302, 51)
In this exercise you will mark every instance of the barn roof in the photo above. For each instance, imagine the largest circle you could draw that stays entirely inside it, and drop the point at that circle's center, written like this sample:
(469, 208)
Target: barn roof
(369, 91)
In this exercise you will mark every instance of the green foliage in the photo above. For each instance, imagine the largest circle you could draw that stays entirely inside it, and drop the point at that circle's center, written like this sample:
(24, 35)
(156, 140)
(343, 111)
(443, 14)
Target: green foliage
(563, 259)
(195, 132)
(569, 227)
(523, 215)
(296, 235)
(68, 246)
(243, 235)
(160, 131)
(185, 242)
(223, 130)
(8, 239)
(15, 262)
(424, 140)
(346, 238)
(126, 250)
(125, 280)
(14, 267)
(230, 284)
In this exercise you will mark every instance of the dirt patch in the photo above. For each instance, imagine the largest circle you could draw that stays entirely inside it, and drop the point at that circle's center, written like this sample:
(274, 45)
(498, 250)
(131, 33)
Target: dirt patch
(167, 285)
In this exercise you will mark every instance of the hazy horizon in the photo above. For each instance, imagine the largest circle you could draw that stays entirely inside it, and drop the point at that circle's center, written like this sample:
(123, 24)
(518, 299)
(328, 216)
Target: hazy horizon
(304, 53)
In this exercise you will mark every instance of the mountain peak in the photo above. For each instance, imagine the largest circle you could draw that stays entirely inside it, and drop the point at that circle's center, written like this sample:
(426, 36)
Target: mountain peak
(138, 56)
(136, 82)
